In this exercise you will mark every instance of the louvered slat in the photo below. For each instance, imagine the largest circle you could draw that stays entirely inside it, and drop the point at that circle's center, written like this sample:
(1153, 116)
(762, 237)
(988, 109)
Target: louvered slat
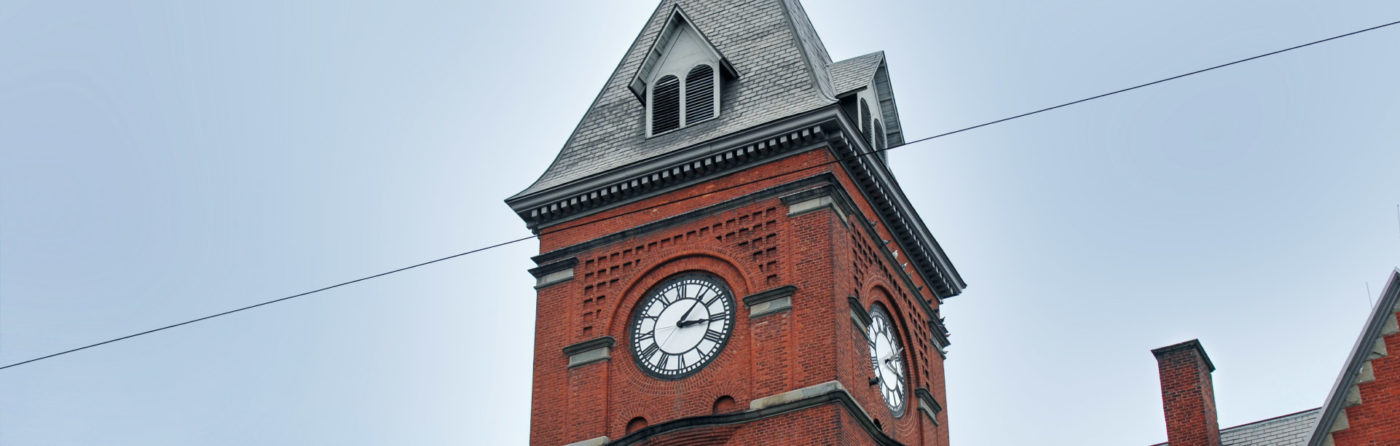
(666, 105)
(699, 94)
(878, 139)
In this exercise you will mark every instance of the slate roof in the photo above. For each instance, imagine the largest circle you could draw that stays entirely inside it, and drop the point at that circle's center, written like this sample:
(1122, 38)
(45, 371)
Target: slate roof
(782, 67)
(856, 72)
(1288, 430)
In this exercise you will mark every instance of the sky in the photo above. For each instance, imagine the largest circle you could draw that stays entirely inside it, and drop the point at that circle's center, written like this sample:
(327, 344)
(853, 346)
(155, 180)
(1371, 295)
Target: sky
(164, 160)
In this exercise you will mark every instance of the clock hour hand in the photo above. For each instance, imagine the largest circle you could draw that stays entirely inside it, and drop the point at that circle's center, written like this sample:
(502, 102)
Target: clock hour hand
(717, 317)
(685, 316)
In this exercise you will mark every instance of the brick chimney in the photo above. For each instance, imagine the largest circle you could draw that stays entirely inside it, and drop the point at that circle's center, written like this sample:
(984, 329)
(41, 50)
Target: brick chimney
(1188, 399)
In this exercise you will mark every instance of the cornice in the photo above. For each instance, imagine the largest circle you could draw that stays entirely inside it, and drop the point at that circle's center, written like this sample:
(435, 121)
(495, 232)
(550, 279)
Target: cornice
(828, 127)
(681, 168)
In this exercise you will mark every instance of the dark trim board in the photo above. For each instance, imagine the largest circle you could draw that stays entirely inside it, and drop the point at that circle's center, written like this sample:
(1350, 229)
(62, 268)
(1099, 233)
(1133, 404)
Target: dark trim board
(828, 127)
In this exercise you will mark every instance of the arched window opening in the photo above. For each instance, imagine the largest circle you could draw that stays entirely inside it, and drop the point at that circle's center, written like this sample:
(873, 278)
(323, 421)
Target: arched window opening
(699, 94)
(666, 105)
(724, 404)
(636, 424)
(877, 140)
(864, 117)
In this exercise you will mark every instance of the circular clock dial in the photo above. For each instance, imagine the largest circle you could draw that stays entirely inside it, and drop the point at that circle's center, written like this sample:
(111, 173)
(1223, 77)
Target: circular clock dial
(887, 358)
(682, 325)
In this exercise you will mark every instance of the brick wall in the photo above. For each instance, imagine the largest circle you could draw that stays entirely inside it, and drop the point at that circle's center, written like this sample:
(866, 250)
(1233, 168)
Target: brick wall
(753, 247)
(1188, 396)
(1376, 421)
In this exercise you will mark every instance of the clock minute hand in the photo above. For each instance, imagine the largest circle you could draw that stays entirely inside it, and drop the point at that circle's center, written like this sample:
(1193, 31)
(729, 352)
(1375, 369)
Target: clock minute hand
(685, 316)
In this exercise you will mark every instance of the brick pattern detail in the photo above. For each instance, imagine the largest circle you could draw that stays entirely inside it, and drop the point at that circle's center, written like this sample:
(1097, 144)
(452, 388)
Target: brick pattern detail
(1377, 420)
(754, 246)
(869, 267)
(751, 235)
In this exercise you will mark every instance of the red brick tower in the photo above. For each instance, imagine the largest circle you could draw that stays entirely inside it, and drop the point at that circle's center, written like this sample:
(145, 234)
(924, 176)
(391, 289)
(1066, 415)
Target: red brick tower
(726, 257)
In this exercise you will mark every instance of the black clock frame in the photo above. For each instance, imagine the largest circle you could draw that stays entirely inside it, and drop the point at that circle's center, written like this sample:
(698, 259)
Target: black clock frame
(895, 335)
(634, 319)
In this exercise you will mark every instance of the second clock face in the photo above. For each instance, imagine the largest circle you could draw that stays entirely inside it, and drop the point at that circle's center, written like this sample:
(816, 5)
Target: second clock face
(887, 358)
(681, 325)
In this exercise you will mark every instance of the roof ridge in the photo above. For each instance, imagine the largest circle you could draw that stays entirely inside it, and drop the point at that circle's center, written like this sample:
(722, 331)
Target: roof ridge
(1251, 423)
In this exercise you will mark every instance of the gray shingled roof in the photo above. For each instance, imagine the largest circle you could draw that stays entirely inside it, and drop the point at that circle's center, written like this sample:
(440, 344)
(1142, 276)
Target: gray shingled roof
(1288, 430)
(760, 38)
(856, 72)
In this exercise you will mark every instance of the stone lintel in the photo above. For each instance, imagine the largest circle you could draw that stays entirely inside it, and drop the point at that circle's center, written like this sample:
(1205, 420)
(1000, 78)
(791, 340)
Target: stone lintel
(928, 405)
(858, 314)
(589, 351)
(771, 301)
(553, 273)
(599, 441)
(815, 199)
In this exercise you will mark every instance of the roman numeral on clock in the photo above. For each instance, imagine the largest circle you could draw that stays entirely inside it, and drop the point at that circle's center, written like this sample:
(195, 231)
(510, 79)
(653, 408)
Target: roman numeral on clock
(714, 336)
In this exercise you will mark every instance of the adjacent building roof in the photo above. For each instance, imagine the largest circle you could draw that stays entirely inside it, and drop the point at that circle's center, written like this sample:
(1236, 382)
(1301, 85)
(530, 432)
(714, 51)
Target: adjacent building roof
(1357, 370)
(1286, 430)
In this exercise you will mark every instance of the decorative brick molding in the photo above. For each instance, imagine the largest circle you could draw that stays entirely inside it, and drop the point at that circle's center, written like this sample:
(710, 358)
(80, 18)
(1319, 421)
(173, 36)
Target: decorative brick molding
(589, 351)
(771, 301)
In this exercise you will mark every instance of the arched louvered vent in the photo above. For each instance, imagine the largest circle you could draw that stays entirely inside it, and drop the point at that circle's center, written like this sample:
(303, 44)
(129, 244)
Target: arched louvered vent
(699, 94)
(879, 136)
(666, 105)
(864, 117)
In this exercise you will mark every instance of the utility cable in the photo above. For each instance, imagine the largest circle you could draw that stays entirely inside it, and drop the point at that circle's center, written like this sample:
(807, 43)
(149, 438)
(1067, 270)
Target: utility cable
(567, 227)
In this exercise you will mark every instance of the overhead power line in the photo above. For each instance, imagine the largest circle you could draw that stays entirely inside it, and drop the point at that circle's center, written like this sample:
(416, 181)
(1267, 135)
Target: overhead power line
(678, 200)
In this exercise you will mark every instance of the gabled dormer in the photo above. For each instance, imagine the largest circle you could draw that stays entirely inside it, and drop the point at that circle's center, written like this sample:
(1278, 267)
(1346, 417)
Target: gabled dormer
(862, 84)
(680, 80)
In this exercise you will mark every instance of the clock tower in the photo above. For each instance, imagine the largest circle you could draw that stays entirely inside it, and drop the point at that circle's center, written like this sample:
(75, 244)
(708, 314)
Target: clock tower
(725, 255)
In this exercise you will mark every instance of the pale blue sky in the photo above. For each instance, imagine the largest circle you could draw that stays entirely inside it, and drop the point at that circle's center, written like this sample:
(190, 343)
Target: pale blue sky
(166, 160)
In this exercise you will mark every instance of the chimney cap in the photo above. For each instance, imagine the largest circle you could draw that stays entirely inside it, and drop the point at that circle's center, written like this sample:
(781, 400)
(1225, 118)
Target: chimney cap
(1192, 344)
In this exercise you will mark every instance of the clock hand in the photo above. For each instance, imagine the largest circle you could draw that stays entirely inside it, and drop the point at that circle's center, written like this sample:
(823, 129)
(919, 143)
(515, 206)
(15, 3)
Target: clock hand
(717, 317)
(687, 313)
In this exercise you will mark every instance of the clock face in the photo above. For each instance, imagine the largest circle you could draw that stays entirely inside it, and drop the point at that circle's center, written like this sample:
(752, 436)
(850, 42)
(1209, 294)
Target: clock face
(887, 358)
(681, 325)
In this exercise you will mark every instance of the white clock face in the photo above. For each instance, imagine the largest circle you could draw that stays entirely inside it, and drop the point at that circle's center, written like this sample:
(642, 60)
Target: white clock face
(682, 325)
(887, 358)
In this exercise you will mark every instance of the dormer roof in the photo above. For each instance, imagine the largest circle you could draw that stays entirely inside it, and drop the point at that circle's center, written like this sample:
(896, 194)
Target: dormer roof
(855, 73)
(781, 97)
(779, 68)
(675, 26)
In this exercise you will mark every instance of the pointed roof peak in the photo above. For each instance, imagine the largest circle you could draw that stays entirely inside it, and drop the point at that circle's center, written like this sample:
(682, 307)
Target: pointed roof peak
(676, 25)
(779, 69)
